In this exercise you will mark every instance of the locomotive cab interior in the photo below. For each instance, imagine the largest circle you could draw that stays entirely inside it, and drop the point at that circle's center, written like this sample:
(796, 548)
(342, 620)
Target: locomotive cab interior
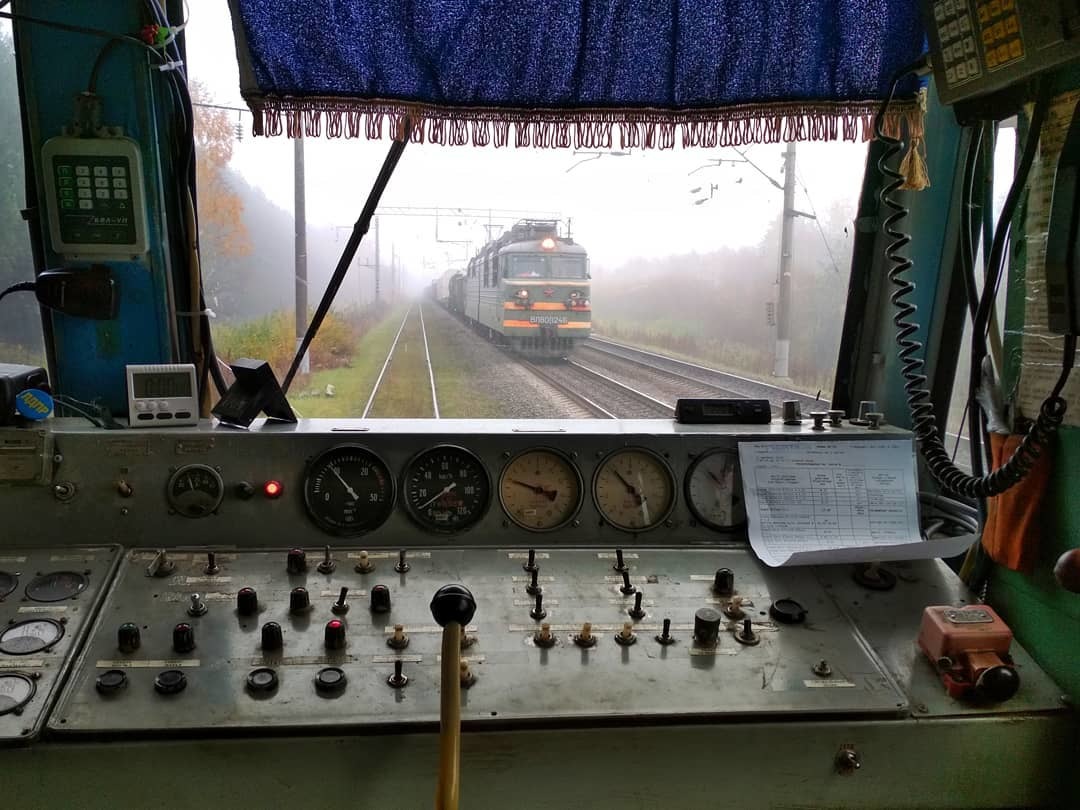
(539, 405)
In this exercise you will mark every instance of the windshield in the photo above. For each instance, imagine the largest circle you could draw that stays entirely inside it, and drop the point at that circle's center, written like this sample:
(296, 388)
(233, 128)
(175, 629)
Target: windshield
(676, 252)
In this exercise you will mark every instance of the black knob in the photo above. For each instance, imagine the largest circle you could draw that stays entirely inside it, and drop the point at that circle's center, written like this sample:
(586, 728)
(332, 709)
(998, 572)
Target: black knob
(380, 599)
(271, 636)
(245, 491)
(454, 603)
(787, 611)
(637, 611)
(707, 626)
(724, 582)
(997, 684)
(334, 637)
(299, 600)
(247, 602)
(296, 562)
(170, 681)
(128, 638)
(183, 638)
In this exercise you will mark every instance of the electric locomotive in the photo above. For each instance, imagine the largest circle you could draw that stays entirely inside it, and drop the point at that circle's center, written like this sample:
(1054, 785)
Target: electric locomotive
(528, 289)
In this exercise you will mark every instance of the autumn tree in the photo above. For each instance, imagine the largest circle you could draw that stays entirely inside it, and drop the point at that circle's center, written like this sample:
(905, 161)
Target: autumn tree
(222, 235)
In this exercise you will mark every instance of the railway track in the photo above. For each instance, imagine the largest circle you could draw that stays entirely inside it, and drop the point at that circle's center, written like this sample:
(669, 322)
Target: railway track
(388, 362)
(607, 398)
(686, 379)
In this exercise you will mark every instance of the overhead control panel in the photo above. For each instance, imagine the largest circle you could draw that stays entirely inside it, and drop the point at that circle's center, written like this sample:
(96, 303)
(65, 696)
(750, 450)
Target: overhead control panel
(48, 597)
(222, 641)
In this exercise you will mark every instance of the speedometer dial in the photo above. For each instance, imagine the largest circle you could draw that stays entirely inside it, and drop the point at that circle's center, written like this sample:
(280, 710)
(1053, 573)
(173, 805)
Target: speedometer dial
(540, 490)
(634, 489)
(348, 490)
(446, 489)
(714, 490)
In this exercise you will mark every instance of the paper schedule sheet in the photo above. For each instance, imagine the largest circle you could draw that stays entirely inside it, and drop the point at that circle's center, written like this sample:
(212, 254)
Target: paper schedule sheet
(822, 501)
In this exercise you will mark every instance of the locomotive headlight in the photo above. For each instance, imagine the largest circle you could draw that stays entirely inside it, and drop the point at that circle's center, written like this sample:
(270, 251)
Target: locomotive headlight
(523, 294)
(575, 295)
(548, 243)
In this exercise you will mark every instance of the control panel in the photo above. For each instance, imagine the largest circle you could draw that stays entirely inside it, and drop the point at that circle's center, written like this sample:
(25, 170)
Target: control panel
(94, 190)
(47, 600)
(298, 639)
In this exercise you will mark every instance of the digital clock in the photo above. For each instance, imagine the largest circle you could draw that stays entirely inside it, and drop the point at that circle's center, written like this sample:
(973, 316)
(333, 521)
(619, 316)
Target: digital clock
(160, 395)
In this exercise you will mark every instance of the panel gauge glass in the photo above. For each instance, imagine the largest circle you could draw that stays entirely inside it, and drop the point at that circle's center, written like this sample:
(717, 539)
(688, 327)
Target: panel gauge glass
(634, 489)
(446, 489)
(714, 490)
(56, 586)
(195, 490)
(8, 583)
(348, 490)
(30, 636)
(16, 690)
(540, 490)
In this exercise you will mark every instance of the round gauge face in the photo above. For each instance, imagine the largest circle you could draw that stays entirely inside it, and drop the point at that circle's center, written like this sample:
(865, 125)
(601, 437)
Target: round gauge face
(446, 489)
(8, 583)
(16, 690)
(540, 490)
(30, 636)
(634, 489)
(714, 490)
(348, 490)
(195, 490)
(56, 586)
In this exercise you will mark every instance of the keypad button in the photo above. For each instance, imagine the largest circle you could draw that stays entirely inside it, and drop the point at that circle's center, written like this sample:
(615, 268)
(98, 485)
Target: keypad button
(119, 182)
(67, 193)
(1011, 25)
(86, 203)
(950, 75)
(67, 203)
(953, 29)
(82, 182)
(973, 67)
(101, 171)
(101, 193)
(120, 194)
(995, 8)
(950, 8)
(119, 171)
(82, 171)
(66, 181)
(969, 45)
(63, 171)
(965, 23)
(101, 182)
(145, 416)
(84, 193)
(939, 11)
(961, 72)
(1016, 50)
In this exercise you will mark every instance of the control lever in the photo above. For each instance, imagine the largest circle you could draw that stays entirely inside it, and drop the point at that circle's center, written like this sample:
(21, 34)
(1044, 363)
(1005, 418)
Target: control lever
(452, 607)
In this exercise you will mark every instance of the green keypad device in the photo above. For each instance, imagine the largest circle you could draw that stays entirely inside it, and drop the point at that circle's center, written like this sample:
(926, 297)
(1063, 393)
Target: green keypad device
(94, 194)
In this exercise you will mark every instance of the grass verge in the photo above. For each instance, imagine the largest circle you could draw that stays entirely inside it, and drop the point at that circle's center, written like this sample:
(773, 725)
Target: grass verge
(455, 382)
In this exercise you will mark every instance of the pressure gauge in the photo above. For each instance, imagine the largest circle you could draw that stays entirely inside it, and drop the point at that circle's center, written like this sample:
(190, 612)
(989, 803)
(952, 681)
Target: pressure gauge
(634, 489)
(16, 690)
(30, 636)
(540, 490)
(714, 490)
(195, 490)
(348, 490)
(446, 489)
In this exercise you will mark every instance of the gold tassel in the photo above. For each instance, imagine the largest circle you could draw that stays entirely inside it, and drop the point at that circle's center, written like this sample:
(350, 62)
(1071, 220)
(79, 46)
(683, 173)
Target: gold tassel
(913, 166)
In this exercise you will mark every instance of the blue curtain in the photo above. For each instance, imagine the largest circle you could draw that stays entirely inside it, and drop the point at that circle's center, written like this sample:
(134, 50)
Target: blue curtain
(573, 72)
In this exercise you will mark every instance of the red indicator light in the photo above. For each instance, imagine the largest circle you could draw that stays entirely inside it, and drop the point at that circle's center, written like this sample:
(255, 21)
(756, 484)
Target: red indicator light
(273, 489)
(335, 623)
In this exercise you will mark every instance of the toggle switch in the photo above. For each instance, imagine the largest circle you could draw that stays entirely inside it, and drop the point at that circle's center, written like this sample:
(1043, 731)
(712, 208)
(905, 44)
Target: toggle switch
(380, 599)
(299, 600)
(538, 611)
(626, 587)
(585, 638)
(626, 636)
(161, 566)
(465, 674)
(183, 638)
(733, 609)
(327, 565)
(196, 605)
(665, 637)
(211, 568)
(364, 565)
(620, 563)
(128, 638)
(341, 606)
(247, 602)
(296, 561)
(745, 634)
(402, 564)
(533, 588)
(399, 640)
(399, 679)
(544, 637)
(530, 563)
(637, 612)
(707, 626)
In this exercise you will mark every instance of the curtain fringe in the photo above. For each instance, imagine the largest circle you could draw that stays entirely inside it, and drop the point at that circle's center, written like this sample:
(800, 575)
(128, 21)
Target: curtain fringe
(583, 129)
